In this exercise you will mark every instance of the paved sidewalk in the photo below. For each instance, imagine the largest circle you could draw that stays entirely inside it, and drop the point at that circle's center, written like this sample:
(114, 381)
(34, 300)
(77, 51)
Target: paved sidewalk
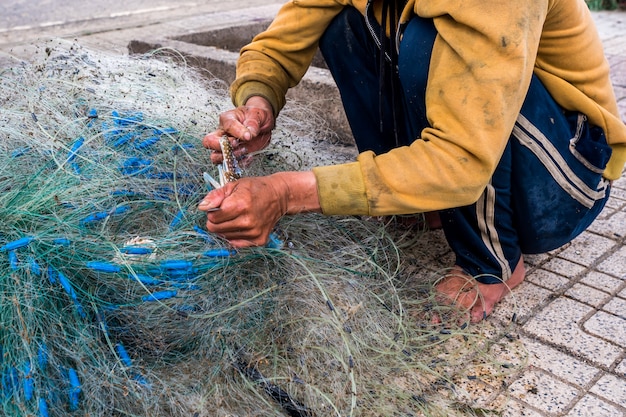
(571, 310)
(572, 307)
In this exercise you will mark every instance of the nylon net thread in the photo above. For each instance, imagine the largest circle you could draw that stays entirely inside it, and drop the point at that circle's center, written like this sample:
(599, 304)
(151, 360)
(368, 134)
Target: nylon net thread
(114, 300)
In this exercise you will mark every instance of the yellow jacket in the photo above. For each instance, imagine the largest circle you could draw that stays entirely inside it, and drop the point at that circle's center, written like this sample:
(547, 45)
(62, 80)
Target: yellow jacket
(481, 65)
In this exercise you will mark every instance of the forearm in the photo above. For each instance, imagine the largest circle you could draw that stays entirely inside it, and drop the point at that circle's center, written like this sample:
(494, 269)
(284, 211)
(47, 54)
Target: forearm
(278, 58)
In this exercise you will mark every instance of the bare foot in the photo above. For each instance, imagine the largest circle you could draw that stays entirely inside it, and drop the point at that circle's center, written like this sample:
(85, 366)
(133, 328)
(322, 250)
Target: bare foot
(459, 288)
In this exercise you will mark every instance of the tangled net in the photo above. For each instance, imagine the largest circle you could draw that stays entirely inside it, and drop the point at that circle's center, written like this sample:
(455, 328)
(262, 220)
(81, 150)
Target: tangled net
(115, 301)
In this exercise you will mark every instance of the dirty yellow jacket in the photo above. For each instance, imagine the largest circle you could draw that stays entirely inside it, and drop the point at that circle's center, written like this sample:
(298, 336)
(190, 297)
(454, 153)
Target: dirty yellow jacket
(481, 66)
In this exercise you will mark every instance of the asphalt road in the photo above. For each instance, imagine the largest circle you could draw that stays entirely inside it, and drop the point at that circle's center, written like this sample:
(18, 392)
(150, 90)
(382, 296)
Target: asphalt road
(29, 14)
(23, 21)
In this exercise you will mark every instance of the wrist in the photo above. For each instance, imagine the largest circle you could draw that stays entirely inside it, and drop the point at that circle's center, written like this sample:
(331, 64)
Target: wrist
(299, 190)
(260, 102)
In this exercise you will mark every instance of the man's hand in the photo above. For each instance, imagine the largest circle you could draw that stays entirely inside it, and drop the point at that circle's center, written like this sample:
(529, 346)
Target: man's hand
(251, 126)
(250, 207)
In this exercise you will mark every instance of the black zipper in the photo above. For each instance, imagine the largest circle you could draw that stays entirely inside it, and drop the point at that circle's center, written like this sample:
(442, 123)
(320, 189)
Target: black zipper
(369, 17)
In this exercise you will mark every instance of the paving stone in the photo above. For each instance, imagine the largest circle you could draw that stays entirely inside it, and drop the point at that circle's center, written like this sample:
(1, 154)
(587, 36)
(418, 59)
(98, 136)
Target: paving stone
(601, 281)
(621, 369)
(621, 181)
(558, 363)
(616, 306)
(618, 193)
(536, 259)
(611, 388)
(607, 326)
(543, 391)
(563, 267)
(558, 323)
(547, 279)
(515, 408)
(613, 226)
(622, 109)
(590, 405)
(615, 264)
(610, 208)
(587, 295)
(587, 248)
(522, 301)
(474, 392)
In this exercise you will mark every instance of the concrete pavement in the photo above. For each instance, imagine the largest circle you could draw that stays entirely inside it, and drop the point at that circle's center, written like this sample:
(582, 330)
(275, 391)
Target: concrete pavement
(571, 310)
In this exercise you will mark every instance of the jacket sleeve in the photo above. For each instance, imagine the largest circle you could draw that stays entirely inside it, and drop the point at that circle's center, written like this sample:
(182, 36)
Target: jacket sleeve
(278, 58)
(481, 66)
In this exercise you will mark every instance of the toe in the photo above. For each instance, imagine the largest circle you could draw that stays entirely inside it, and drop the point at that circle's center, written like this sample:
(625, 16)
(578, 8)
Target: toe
(471, 296)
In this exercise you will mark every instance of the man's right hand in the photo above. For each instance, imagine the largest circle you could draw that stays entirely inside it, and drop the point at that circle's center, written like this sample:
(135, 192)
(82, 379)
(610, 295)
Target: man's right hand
(248, 127)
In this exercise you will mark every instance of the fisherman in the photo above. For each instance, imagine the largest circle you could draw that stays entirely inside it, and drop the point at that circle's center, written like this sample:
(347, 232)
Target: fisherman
(498, 116)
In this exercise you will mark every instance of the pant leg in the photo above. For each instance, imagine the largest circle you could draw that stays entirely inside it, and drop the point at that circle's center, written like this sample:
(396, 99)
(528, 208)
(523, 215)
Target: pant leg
(482, 235)
(558, 161)
(547, 189)
(353, 59)
(418, 37)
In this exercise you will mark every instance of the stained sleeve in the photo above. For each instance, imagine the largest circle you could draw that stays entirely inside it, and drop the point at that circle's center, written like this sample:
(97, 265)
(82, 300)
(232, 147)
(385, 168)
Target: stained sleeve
(278, 58)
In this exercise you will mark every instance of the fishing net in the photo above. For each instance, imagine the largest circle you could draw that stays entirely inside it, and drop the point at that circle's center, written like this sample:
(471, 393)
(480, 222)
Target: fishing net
(115, 300)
